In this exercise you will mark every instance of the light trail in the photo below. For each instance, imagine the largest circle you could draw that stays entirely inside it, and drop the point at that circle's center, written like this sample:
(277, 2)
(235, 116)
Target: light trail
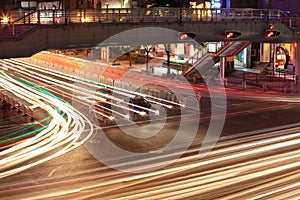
(50, 137)
(265, 165)
(61, 84)
(61, 135)
(209, 181)
(81, 91)
(118, 90)
(173, 183)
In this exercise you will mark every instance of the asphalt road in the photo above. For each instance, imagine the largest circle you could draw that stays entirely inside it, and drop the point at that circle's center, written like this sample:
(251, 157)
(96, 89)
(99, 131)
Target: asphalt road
(78, 175)
(256, 157)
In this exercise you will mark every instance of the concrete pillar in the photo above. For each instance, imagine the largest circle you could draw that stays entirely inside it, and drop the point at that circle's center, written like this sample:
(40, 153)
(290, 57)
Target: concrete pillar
(222, 67)
(229, 63)
(248, 56)
(296, 61)
(192, 50)
(265, 52)
(180, 51)
(274, 56)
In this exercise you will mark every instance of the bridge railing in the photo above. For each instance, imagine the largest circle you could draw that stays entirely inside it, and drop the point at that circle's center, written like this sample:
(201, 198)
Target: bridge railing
(124, 15)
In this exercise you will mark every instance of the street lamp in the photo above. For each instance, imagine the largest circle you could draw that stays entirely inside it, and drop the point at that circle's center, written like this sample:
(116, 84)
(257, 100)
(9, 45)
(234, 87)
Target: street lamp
(5, 20)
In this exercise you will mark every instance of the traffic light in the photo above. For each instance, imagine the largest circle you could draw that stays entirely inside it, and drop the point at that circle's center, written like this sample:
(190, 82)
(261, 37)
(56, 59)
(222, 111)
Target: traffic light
(271, 26)
(186, 36)
(232, 34)
(272, 34)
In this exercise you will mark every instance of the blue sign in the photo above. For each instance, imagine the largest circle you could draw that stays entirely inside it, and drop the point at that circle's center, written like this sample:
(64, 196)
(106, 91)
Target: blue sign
(216, 3)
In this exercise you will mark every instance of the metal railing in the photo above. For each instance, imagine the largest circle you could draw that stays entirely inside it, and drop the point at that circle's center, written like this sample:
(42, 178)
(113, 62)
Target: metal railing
(202, 54)
(199, 52)
(119, 15)
(25, 19)
(137, 15)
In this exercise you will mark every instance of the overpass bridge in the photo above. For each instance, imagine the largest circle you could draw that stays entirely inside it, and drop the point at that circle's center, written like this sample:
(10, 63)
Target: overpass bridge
(30, 32)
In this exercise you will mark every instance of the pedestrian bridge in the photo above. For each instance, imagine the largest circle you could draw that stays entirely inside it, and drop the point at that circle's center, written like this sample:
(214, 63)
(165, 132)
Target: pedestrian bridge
(27, 33)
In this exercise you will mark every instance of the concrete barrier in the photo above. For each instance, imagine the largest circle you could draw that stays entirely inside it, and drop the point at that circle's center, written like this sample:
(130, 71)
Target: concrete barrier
(144, 90)
(192, 102)
(28, 112)
(118, 83)
(244, 85)
(15, 104)
(163, 94)
(102, 79)
(109, 81)
(265, 87)
(5, 98)
(134, 87)
(225, 82)
(11, 102)
(126, 85)
(81, 74)
(286, 89)
(95, 77)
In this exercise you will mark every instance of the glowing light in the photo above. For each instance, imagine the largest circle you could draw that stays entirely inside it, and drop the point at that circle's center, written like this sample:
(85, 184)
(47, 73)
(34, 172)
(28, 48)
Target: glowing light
(84, 19)
(232, 34)
(271, 26)
(100, 99)
(143, 113)
(183, 36)
(270, 34)
(111, 118)
(229, 35)
(5, 20)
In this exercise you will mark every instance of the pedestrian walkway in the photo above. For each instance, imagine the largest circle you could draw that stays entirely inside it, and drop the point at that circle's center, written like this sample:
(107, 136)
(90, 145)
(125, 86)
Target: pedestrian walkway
(249, 81)
(257, 79)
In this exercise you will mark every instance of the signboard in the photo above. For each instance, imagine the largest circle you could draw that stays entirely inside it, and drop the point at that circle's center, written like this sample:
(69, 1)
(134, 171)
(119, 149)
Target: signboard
(212, 47)
(216, 4)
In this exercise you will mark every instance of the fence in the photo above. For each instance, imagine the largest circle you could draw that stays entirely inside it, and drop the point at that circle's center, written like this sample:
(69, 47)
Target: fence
(125, 15)
(281, 80)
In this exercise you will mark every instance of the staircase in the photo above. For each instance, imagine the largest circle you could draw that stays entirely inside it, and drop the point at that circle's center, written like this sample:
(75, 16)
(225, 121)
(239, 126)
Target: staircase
(233, 48)
(208, 60)
(14, 32)
(18, 27)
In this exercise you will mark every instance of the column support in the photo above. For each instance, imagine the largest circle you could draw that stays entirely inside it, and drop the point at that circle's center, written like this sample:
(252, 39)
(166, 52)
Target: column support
(222, 67)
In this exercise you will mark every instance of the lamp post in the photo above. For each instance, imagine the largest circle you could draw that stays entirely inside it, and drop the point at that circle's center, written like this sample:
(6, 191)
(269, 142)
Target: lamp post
(106, 10)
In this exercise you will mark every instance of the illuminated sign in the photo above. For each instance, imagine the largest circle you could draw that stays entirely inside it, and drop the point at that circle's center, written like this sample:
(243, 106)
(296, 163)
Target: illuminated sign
(216, 3)
(212, 47)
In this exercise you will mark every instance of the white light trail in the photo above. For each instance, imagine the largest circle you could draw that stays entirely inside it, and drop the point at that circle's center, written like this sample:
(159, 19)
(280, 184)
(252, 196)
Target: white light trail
(61, 135)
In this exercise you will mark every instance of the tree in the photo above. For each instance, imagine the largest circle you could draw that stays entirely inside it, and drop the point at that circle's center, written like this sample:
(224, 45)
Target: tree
(148, 49)
(168, 52)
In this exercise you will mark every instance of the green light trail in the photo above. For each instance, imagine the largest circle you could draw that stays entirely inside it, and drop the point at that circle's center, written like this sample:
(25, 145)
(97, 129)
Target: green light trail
(17, 131)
